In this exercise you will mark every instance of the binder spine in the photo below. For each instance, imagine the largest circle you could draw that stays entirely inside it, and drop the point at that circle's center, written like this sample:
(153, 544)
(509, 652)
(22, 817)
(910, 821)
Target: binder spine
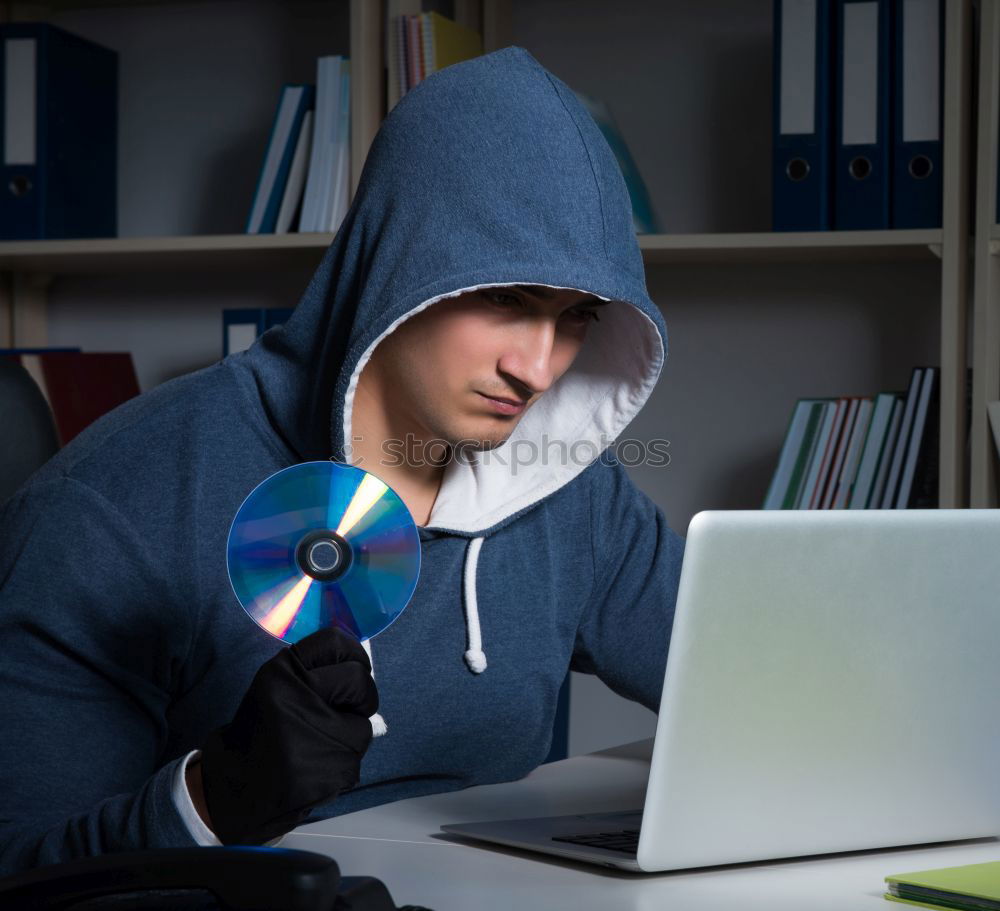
(23, 142)
(82, 138)
(66, 185)
(802, 151)
(862, 182)
(917, 184)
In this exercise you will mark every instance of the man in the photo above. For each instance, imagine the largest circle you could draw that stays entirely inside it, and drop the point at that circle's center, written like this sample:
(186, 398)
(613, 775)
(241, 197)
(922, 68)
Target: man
(456, 316)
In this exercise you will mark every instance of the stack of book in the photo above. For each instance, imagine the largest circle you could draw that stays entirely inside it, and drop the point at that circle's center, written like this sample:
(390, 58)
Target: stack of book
(975, 887)
(304, 182)
(421, 44)
(855, 453)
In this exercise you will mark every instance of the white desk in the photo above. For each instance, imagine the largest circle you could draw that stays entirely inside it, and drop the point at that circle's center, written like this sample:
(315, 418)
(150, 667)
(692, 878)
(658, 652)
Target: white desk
(401, 845)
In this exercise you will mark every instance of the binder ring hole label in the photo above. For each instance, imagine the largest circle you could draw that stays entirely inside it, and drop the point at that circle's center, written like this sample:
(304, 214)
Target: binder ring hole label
(797, 169)
(20, 186)
(921, 167)
(860, 167)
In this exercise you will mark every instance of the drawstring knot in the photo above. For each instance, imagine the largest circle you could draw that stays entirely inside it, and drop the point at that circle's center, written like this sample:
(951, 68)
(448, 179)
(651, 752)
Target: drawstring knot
(475, 657)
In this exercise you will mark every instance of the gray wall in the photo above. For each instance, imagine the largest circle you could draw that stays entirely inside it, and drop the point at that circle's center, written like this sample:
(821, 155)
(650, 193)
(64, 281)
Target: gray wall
(689, 84)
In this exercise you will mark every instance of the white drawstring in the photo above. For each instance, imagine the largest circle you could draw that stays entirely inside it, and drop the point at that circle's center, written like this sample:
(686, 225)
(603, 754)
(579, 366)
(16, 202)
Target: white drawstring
(379, 727)
(475, 657)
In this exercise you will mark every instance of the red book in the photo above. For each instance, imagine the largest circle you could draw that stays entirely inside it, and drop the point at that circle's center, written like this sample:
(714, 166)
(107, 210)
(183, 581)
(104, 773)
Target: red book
(833, 481)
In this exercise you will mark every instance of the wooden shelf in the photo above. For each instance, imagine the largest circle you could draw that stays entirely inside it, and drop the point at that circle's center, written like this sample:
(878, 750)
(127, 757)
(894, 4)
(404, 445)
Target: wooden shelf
(194, 253)
(281, 251)
(812, 246)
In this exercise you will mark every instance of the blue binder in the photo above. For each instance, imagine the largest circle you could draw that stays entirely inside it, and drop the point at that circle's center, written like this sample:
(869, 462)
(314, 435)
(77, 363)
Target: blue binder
(802, 150)
(862, 160)
(917, 125)
(59, 134)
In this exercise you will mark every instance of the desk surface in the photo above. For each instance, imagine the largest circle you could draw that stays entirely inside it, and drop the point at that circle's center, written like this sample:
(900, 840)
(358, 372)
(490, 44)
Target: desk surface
(401, 844)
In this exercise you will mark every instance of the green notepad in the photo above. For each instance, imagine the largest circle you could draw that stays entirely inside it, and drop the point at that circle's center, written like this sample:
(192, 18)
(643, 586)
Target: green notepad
(974, 887)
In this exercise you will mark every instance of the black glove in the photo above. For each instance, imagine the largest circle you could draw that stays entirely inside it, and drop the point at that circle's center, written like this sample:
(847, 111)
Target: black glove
(296, 740)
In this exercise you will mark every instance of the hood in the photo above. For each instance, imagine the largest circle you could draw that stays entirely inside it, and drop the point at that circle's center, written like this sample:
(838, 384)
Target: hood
(488, 172)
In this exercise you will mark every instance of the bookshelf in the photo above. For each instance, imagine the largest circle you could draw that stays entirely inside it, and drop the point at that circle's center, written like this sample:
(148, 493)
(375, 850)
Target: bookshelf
(709, 64)
(719, 276)
(27, 269)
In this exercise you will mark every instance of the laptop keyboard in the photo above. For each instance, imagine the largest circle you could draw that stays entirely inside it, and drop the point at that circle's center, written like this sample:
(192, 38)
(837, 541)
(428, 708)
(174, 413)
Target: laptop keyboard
(624, 840)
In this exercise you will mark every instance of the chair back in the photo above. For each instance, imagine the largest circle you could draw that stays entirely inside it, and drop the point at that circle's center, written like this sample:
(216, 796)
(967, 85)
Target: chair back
(28, 437)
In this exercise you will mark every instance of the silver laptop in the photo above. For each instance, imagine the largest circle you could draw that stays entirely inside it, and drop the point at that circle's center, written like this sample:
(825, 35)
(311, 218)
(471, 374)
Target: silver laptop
(832, 684)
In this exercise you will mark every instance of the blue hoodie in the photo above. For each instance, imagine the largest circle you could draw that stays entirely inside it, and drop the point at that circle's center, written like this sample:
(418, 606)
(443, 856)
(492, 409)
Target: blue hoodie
(121, 641)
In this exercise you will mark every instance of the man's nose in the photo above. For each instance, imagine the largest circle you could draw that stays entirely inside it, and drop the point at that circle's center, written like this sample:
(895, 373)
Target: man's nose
(529, 360)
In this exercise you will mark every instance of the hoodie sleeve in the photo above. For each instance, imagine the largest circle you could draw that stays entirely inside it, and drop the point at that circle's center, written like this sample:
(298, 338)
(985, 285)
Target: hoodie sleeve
(92, 642)
(624, 632)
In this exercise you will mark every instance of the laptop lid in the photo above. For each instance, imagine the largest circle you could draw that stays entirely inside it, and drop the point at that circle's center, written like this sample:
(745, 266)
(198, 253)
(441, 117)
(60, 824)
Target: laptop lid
(832, 684)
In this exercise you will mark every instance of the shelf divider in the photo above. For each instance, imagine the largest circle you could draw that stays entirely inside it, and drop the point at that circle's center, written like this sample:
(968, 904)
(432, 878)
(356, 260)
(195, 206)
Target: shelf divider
(986, 289)
(367, 82)
(953, 467)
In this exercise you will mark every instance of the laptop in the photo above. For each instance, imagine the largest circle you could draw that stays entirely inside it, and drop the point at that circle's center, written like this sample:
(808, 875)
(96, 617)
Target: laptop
(832, 684)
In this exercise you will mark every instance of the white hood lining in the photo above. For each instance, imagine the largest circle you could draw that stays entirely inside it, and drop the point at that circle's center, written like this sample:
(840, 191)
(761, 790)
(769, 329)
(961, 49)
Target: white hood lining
(589, 405)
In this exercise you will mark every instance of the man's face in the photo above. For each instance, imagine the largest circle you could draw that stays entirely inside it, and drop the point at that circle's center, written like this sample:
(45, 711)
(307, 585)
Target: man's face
(469, 367)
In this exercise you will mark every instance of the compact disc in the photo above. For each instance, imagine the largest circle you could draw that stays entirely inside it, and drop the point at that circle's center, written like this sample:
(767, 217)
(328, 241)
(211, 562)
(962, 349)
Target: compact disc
(323, 544)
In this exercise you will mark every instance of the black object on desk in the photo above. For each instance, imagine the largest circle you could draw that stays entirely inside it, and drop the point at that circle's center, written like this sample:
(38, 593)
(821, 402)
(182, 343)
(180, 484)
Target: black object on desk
(229, 878)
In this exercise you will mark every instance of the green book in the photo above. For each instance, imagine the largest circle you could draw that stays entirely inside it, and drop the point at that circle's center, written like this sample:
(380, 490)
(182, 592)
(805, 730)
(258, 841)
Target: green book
(806, 453)
(788, 459)
(973, 887)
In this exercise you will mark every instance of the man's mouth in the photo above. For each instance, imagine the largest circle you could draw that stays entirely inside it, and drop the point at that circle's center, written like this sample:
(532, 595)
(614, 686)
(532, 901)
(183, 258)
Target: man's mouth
(505, 405)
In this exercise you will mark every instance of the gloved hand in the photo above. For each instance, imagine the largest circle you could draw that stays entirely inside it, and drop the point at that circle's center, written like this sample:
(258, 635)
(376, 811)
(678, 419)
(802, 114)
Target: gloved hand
(296, 739)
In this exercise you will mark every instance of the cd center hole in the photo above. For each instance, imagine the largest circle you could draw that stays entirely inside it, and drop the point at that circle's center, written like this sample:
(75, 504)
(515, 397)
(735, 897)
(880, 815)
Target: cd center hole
(323, 556)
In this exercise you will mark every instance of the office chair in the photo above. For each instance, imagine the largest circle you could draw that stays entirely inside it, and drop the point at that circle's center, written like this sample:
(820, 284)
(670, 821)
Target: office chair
(231, 878)
(29, 438)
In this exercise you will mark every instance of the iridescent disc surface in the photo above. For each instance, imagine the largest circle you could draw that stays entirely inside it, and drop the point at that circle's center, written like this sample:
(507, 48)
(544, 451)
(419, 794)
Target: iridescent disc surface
(323, 544)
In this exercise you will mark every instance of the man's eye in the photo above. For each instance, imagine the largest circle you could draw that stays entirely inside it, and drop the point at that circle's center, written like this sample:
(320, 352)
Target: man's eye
(503, 299)
(585, 316)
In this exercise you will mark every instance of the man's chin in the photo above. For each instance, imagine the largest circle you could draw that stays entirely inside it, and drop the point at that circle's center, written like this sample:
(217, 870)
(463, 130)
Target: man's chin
(487, 445)
(484, 443)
